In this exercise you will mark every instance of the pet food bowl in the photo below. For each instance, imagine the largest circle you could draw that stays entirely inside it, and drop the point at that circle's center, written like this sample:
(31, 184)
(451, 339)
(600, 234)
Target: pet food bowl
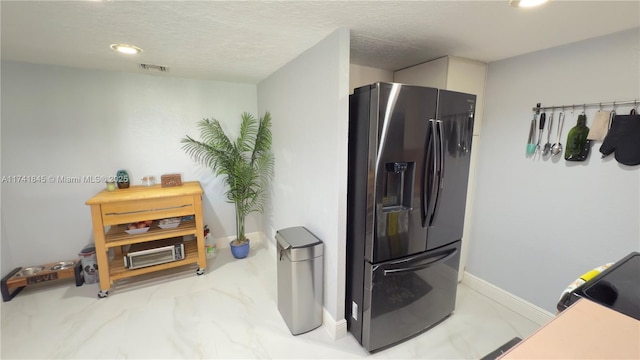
(62, 265)
(28, 271)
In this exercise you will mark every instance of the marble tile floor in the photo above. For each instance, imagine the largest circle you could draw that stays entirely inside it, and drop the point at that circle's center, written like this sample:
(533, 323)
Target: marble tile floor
(230, 312)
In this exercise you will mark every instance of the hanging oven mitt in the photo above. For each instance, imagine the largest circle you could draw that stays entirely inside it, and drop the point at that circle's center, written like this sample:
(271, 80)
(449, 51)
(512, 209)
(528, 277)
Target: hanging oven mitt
(577, 144)
(600, 126)
(624, 139)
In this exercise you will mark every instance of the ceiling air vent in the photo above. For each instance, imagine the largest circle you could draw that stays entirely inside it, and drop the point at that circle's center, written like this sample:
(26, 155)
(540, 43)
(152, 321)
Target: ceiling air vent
(152, 67)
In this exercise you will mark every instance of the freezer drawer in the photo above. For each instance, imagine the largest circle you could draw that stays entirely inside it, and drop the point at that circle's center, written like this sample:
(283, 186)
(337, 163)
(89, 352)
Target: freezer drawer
(407, 296)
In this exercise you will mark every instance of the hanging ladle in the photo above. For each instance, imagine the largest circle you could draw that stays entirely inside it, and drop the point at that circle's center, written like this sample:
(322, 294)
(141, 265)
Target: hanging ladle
(547, 146)
(557, 147)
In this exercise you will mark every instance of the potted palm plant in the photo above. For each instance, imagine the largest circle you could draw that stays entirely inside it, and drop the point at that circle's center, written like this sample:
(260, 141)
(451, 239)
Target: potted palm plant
(246, 163)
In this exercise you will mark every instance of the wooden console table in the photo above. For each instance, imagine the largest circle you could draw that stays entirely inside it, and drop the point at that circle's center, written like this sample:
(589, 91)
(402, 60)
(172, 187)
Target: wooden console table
(116, 209)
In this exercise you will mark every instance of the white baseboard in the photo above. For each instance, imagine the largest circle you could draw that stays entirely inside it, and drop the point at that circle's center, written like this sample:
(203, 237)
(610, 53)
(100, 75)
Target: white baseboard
(335, 329)
(271, 247)
(510, 301)
(255, 237)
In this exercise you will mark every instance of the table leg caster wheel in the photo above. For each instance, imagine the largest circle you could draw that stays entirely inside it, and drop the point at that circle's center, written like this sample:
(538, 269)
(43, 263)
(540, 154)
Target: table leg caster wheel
(103, 293)
(200, 272)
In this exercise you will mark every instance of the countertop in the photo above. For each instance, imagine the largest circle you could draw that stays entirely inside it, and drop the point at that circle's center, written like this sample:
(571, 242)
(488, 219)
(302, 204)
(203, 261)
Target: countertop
(586, 330)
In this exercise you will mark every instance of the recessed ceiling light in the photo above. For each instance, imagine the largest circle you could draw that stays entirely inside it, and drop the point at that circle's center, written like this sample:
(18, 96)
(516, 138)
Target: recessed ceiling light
(126, 49)
(526, 3)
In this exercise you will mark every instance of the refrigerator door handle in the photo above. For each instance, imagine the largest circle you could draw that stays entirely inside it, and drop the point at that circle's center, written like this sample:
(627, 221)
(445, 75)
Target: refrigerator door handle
(426, 185)
(441, 258)
(427, 182)
(439, 170)
(434, 177)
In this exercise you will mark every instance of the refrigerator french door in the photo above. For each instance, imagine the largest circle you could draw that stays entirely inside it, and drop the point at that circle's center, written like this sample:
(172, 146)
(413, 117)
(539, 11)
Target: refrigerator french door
(408, 168)
(452, 132)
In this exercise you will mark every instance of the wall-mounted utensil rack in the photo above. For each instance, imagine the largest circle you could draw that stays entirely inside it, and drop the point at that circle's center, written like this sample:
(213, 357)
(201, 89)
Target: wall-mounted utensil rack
(585, 106)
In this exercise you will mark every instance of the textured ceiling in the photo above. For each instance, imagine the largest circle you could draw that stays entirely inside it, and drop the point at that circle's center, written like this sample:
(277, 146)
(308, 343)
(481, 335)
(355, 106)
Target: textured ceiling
(245, 41)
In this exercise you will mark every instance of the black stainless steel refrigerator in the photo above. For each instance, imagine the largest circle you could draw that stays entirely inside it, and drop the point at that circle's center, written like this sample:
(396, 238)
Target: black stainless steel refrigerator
(409, 154)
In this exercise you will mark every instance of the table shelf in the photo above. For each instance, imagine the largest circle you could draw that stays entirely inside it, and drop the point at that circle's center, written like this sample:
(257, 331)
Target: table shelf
(116, 236)
(117, 270)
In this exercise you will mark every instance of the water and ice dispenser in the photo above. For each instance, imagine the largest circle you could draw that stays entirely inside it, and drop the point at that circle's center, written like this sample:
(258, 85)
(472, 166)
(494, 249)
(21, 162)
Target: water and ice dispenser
(398, 186)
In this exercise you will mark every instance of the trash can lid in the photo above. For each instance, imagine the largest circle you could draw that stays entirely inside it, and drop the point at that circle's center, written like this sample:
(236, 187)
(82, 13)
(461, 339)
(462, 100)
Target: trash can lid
(88, 250)
(298, 237)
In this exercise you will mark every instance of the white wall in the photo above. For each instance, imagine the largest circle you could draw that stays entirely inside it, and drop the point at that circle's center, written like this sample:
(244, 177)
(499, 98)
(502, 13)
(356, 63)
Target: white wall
(538, 223)
(364, 75)
(432, 73)
(76, 122)
(308, 100)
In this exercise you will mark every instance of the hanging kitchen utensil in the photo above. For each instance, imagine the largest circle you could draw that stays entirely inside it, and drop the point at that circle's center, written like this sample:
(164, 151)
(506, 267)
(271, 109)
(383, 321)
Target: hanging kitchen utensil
(577, 144)
(611, 116)
(547, 146)
(600, 125)
(624, 139)
(543, 119)
(531, 146)
(557, 147)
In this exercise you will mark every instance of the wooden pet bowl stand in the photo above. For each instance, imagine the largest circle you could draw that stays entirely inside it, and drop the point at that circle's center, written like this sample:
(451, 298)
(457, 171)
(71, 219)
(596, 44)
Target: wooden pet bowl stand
(20, 277)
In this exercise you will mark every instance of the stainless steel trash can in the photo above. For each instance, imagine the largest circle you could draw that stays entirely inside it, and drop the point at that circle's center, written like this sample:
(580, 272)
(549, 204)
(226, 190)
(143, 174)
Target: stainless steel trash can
(300, 256)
